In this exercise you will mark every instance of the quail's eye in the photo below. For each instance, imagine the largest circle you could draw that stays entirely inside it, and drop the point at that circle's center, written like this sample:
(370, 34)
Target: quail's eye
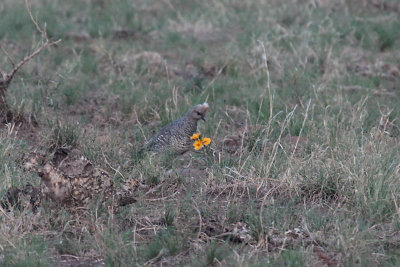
(198, 113)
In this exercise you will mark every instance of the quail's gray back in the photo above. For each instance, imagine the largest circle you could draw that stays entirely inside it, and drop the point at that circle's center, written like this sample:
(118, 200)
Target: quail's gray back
(175, 137)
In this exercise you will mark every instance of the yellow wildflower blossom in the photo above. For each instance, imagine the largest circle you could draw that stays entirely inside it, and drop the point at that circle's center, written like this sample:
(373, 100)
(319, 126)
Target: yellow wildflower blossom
(195, 136)
(206, 140)
(198, 144)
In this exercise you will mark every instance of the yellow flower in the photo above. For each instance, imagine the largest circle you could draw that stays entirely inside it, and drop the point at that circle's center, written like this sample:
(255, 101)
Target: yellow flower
(195, 136)
(197, 144)
(206, 140)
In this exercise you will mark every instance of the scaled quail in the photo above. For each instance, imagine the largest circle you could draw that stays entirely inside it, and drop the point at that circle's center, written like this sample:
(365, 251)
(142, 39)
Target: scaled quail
(175, 137)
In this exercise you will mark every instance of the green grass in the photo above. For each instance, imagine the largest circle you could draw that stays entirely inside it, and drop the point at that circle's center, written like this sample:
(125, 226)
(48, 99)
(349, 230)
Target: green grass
(29, 252)
(123, 70)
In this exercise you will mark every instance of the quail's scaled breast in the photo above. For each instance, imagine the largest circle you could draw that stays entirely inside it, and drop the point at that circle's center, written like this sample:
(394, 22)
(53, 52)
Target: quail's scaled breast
(175, 137)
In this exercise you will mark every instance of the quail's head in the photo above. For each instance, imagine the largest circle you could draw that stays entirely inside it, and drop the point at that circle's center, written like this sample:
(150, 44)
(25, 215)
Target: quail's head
(198, 112)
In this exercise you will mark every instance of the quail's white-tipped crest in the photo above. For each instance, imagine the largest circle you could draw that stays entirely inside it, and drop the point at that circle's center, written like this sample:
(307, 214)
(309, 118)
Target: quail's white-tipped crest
(198, 112)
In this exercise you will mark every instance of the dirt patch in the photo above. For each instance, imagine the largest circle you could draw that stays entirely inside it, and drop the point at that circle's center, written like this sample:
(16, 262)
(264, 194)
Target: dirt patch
(366, 68)
(69, 180)
(27, 197)
(384, 5)
(66, 260)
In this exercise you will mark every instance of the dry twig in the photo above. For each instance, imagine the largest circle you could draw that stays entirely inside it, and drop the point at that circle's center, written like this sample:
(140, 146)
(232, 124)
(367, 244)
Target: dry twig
(8, 76)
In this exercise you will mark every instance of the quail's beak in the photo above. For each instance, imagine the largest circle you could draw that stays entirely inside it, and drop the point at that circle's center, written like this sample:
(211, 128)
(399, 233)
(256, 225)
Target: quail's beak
(204, 119)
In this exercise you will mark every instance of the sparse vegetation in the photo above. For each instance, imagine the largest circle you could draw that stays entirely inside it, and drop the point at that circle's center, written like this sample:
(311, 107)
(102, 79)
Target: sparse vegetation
(303, 168)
